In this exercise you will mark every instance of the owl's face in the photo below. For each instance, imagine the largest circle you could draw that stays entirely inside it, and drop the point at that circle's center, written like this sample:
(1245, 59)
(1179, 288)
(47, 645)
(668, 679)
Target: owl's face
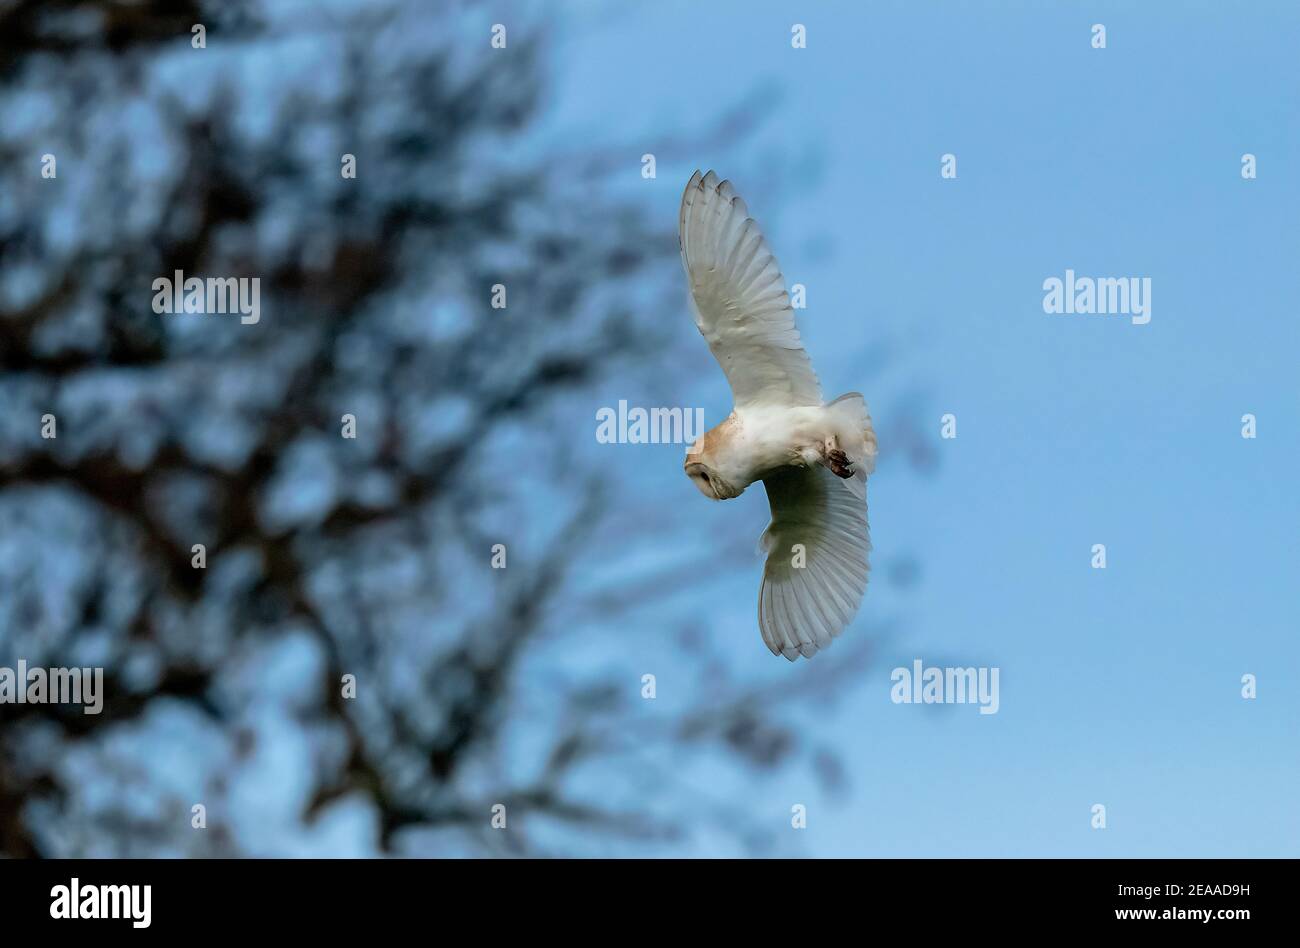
(704, 479)
(698, 470)
(702, 469)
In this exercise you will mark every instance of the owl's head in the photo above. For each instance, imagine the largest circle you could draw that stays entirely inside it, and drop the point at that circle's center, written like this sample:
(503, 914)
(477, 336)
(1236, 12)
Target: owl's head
(703, 478)
(700, 469)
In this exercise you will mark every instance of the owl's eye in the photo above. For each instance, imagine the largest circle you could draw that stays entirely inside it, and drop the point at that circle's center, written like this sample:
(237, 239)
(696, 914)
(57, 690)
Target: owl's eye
(703, 480)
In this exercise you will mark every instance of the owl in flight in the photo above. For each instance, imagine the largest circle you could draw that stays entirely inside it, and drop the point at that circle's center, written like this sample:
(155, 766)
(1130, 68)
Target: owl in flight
(813, 457)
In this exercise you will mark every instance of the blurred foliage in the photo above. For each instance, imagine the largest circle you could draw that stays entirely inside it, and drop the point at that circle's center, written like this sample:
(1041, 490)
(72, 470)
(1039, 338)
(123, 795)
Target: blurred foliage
(325, 556)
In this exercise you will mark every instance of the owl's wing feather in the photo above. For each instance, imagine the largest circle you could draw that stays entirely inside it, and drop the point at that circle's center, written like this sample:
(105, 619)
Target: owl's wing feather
(806, 602)
(740, 302)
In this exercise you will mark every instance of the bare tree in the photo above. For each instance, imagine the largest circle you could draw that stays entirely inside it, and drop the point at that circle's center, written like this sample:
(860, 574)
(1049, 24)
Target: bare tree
(324, 556)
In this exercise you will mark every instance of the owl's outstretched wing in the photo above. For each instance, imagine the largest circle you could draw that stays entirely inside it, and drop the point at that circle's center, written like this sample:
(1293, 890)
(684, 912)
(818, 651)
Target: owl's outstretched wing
(741, 306)
(816, 570)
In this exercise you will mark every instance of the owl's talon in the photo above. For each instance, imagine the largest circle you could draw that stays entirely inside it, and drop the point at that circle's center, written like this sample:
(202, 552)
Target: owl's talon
(839, 463)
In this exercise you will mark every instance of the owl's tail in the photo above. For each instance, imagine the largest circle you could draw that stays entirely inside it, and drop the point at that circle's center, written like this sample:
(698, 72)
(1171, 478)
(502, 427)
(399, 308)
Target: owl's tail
(852, 424)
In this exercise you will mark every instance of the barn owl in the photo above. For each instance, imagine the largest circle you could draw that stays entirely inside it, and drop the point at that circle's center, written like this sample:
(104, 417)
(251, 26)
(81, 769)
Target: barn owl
(813, 457)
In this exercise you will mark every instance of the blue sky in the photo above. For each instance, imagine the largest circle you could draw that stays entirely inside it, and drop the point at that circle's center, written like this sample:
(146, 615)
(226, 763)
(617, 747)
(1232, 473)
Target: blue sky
(1118, 686)
(1121, 686)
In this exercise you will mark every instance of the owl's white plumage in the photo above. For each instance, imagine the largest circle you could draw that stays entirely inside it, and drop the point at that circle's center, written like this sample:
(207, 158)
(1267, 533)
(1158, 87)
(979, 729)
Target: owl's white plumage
(812, 457)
